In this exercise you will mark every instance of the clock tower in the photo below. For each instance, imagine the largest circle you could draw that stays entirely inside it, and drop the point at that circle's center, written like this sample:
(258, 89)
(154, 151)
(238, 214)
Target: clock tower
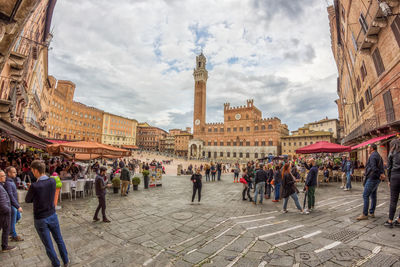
(200, 75)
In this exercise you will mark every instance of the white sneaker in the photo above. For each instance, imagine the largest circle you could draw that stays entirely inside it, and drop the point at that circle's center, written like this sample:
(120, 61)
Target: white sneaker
(284, 211)
(346, 189)
(305, 212)
(342, 187)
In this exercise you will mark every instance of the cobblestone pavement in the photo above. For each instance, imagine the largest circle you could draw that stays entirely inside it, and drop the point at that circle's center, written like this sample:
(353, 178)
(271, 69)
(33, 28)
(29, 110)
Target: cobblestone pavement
(160, 227)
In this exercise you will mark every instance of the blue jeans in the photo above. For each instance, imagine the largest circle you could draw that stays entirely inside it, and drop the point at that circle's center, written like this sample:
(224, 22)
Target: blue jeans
(15, 217)
(370, 188)
(296, 201)
(259, 189)
(50, 225)
(348, 180)
(277, 191)
(219, 176)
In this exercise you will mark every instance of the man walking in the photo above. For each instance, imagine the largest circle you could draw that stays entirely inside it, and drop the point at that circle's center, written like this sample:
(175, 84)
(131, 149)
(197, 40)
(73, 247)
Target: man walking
(5, 214)
(125, 178)
(196, 179)
(260, 180)
(311, 182)
(11, 188)
(374, 173)
(219, 170)
(348, 169)
(41, 194)
(101, 195)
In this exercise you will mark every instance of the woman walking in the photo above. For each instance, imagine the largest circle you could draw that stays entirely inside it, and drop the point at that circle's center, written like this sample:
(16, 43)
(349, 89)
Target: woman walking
(207, 168)
(394, 181)
(246, 181)
(196, 180)
(289, 189)
(213, 172)
(277, 182)
(236, 172)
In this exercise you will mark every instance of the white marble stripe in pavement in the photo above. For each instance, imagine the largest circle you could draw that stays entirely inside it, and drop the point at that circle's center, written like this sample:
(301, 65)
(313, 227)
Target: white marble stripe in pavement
(251, 215)
(355, 207)
(380, 205)
(265, 225)
(241, 254)
(262, 219)
(296, 239)
(342, 204)
(332, 245)
(279, 232)
(328, 199)
(375, 252)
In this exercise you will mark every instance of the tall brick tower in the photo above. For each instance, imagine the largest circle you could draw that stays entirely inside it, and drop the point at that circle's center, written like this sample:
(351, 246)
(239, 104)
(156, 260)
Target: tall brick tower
(200, 75)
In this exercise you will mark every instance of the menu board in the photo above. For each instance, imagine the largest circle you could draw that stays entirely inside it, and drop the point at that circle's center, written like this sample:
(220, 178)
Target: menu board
(155, 176)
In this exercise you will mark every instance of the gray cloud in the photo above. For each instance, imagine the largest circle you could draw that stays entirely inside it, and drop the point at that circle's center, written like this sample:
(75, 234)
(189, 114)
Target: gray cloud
(135, 58)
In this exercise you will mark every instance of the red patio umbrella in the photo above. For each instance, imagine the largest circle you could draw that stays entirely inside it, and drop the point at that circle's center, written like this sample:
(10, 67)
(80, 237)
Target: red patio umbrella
(323, 147)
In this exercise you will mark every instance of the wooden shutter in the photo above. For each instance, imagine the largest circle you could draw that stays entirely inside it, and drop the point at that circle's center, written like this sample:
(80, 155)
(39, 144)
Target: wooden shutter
(376, 56)
(387, 100)
(396, 29)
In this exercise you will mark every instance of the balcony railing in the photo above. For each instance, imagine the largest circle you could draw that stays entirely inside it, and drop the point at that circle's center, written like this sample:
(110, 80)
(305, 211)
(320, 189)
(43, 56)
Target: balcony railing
(380, 120)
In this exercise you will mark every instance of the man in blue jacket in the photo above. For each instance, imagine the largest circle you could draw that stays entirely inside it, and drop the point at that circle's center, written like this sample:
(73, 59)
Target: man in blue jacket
(16, 209)
(348, 169)
(5, 214)
(374, 173)
(41, 194)
(311, 183)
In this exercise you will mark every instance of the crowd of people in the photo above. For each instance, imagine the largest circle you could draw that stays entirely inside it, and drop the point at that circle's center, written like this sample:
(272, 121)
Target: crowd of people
(278, 179)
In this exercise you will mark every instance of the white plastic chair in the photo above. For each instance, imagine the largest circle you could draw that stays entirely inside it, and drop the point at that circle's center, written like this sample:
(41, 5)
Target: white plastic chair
(66, 188)
(80, 187)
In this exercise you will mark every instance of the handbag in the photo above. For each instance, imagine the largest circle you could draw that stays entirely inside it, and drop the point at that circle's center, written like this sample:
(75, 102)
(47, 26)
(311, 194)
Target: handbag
(242, 180)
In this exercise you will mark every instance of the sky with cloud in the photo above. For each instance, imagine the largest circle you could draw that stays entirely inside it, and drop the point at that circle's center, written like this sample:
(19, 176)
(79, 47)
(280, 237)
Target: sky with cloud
(135, 58)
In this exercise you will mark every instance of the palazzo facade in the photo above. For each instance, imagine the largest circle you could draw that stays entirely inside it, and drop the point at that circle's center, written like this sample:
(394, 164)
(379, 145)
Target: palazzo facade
(244, 135)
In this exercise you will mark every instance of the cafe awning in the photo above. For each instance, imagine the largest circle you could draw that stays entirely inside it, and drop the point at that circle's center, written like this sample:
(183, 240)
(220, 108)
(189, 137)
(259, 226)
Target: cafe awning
(130, 147)
(373, 140)
(322, 147)
(19, 135)
(85, 147)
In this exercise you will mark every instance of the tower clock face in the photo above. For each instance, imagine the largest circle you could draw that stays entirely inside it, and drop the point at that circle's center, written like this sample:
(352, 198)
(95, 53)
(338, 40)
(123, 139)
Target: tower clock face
(238, 116)
(197, 122)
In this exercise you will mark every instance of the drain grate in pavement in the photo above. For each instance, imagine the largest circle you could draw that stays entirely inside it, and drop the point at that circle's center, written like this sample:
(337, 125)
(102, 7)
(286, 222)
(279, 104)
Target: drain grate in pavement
(343, 235)
(381, 260)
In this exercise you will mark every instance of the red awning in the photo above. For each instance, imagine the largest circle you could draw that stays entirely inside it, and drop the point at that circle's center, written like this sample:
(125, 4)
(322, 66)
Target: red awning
(373, 140)
(323, 147)
(54, 141)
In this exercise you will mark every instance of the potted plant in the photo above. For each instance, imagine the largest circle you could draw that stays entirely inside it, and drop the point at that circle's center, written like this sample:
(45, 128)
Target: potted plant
(146, 174)
(135, 182)
(116, 182)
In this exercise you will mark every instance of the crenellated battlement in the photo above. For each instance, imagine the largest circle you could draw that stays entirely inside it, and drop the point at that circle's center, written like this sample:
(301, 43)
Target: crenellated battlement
(215, 124)
(268, 120)
(250, 105)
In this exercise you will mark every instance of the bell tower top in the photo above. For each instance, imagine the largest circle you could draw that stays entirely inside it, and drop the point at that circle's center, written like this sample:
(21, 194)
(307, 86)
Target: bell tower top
(200, 73)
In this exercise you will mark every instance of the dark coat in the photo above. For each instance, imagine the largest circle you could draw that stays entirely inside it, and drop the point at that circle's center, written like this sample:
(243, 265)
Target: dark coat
(11, 189)
(393, 164)
(196, 177)
(125, 175)
(288, 185)
(374, 167)
(5, 204)
(261, 176)
(312, 176)
(100, 186)
(277, 177)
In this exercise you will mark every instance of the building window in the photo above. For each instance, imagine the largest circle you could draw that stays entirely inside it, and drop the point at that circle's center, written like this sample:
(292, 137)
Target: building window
(270, 143)
(262, 143)
(247, 129)
(247, 155)
(376, 56)
(388, 102)
(228, 154)
(215, 155)
(241, 129)
(284, 144)
(234, 154)
(215, 130)
(215, 143)
(234, 143)
(363, 23)
(221, 130)
(363, 71)
(234, 129)
(368, 95)
(247, 143)
(299, 143)
(228, 130)
(256, 143)
(209, 154)
(241, 155)
(221, 143)
(358, 82)
(361, 104)
(263, 127)
(294, 143)
(396, 29)
(290, 143)
(311, 143)
(228, 143)
(255, 128)
(209, 143)
(269, 126)
(256, 155)
(221, 154)
(241, 143)
(209, 130)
